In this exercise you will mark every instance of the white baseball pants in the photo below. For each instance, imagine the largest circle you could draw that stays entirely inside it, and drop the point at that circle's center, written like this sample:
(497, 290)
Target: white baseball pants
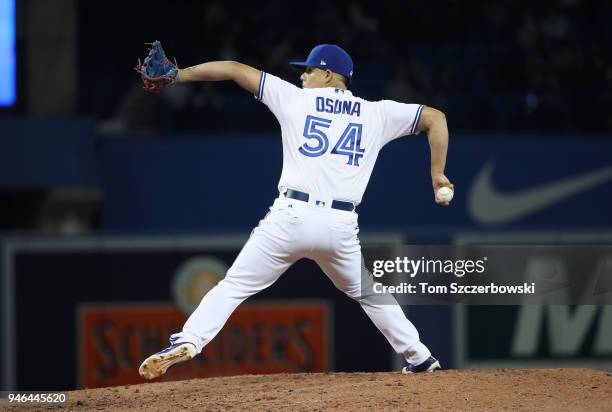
(292, 230)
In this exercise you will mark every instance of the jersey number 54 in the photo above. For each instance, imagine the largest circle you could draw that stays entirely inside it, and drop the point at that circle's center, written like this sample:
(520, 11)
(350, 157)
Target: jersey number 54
(349, 143)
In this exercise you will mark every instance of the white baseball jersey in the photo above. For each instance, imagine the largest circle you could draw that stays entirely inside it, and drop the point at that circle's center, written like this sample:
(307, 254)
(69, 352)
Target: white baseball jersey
(331, 138)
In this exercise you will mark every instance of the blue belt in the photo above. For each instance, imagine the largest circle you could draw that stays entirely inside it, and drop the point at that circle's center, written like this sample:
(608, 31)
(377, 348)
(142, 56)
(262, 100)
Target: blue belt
(304, 197)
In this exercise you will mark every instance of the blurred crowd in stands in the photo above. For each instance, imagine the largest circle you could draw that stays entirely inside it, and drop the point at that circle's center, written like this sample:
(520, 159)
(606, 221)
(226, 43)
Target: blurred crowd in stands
(502, 65)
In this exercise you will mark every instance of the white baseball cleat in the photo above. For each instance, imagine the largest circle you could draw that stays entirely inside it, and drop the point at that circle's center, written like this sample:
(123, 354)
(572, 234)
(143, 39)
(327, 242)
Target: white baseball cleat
(158, 363)
(431, 364)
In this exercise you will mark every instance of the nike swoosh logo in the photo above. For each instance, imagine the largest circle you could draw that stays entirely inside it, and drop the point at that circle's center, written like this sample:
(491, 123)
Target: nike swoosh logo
(487, 205)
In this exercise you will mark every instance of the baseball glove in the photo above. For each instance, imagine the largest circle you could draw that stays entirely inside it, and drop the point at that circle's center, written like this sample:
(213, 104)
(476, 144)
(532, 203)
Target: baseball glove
(157, 71)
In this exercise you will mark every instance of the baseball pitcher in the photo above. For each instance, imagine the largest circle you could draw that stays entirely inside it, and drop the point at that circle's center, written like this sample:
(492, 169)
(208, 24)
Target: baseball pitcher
(331, 140)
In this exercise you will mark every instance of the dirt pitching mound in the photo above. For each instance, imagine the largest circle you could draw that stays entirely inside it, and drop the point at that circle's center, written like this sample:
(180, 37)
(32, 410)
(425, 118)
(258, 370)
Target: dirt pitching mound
(496, 389)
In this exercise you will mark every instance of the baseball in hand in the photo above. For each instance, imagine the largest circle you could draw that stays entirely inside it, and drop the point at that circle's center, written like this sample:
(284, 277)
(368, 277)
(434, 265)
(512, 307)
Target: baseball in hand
(444, 194)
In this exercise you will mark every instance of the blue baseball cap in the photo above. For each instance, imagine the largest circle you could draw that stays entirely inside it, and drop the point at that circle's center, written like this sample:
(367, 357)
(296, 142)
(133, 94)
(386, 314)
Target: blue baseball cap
(331, 57)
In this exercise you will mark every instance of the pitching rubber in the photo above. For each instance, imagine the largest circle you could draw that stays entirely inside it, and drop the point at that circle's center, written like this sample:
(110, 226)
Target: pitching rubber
(157, 364)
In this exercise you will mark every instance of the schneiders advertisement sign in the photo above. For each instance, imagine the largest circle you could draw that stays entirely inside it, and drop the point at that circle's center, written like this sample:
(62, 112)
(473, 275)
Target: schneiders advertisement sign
(257, 339)
(111, 302)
